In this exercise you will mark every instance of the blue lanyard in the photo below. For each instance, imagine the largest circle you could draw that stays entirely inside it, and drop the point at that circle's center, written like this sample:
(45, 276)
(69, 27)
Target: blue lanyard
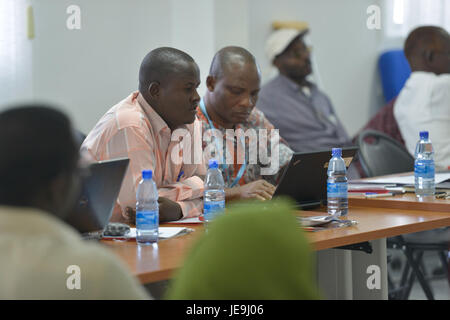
(244, 165)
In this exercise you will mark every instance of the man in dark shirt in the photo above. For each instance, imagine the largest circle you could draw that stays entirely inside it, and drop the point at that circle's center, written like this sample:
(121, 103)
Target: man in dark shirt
(303, 114)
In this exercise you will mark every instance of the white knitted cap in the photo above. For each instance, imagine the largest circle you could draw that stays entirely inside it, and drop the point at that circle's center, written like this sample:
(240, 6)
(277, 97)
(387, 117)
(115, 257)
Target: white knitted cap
(279, 40)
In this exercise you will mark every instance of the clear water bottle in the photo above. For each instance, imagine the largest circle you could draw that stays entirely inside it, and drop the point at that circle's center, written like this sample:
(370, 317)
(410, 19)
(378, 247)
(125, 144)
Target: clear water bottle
(337, 185)
(214, 196)
(424, 166)
(147, 210)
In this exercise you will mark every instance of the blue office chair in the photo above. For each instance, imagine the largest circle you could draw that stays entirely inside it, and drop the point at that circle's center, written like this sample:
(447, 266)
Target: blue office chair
(394, 71)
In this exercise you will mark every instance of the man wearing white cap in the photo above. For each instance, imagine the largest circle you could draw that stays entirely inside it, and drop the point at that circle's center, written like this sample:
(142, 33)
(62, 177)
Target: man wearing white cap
(303, 114)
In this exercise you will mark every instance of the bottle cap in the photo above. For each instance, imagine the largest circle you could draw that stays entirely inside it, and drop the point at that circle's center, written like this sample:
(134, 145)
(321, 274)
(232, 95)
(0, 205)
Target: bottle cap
(147, 174)
(336, 152)
(213, 164)
(423, 134)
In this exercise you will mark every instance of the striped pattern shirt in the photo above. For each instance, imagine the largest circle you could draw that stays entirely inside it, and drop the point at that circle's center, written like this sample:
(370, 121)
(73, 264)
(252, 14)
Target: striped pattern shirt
(133, 129)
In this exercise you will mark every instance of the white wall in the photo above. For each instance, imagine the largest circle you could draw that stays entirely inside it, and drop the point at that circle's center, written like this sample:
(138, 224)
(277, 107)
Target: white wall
(193, 32)
(15, 54)
(87, 71)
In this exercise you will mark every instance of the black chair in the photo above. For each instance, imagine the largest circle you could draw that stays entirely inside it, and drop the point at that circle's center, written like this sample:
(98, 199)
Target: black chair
(379, 154)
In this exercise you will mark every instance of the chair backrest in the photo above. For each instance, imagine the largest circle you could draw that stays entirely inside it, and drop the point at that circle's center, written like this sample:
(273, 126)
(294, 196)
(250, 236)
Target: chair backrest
(394, 71)
(380, 154)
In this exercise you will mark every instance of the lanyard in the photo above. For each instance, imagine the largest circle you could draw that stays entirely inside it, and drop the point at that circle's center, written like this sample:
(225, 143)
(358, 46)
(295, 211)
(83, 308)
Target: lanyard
(243, 166)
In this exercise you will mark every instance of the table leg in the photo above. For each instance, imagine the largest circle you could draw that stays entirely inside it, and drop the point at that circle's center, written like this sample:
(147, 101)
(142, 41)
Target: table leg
(334, 274)
(346, 275)
(370, 272)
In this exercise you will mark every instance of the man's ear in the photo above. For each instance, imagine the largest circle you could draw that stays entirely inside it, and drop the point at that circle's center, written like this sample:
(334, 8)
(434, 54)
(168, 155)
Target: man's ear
(428, 56)
(154, 89)
(210, 83)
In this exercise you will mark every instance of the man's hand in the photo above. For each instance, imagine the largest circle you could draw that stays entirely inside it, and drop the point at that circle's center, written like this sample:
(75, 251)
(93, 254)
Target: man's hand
(168, 211)
(259, 189)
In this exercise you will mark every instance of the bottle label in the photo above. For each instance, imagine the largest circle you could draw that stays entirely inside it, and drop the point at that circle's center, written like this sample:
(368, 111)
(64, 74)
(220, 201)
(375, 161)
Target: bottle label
(337, 189)
(212, 208)
(147, 219)
(424, 169)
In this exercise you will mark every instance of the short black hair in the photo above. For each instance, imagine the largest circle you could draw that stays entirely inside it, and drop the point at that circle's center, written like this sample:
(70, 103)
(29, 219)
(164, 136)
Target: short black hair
(160, 64)
(227, 55)
(423, 38)
(37, 145)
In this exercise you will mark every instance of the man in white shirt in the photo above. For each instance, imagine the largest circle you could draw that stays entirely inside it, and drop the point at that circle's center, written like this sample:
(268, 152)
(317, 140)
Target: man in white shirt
(424, 102)
(41, 257)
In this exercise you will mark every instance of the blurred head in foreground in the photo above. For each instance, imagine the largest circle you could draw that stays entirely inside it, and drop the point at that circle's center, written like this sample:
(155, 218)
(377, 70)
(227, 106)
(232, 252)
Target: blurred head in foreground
(254, 251)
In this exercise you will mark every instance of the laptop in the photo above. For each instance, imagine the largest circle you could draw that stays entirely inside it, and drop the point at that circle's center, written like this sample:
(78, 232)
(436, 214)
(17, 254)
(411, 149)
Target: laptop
(99, 192)
(305, 178)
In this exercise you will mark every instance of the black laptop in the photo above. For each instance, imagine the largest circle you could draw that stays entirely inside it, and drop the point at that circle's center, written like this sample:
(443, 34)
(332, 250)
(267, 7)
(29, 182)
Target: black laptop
(305, 178)
(99, 192)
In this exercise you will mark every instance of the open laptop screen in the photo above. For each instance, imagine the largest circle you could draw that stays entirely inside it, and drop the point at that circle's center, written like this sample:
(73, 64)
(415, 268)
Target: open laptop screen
(305, 178)
(99, 193)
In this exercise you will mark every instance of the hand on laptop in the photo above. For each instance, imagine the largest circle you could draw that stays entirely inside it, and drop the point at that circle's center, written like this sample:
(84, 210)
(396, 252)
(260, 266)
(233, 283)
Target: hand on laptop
(168, 211)
(260, 189)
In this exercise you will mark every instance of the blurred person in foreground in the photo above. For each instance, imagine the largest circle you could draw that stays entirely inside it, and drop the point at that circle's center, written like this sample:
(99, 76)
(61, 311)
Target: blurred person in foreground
(255, 251)
(42, 257)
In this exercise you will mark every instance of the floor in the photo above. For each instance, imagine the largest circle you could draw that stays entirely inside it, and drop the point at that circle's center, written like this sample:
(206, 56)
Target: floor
(439, 286)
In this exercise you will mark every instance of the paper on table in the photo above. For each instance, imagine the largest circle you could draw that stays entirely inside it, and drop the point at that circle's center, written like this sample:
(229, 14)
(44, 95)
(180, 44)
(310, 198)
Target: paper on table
(164, 232)
(439, 177)
(187, 220)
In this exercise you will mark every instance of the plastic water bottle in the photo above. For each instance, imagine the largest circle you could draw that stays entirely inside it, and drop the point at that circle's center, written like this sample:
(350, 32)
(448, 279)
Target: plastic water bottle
(424, 166)
(147, 210)
(214, 196)
(337, 185)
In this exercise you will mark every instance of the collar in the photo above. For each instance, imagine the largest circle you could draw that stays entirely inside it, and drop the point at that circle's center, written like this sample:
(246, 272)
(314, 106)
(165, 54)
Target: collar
(155, 119)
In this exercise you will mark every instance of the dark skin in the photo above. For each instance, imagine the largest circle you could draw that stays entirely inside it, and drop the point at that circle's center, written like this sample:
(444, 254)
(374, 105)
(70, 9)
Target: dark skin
(175, 99)
(295, 62)
(229, 101)
(435, 57)
(59, 195)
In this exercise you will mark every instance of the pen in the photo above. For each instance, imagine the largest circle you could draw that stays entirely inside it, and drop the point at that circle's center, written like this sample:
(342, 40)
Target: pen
(180, 175)
(378, 195)
(368, 191)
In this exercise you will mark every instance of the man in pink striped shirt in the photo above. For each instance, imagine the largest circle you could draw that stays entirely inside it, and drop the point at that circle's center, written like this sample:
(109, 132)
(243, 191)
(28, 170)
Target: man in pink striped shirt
(140, 127)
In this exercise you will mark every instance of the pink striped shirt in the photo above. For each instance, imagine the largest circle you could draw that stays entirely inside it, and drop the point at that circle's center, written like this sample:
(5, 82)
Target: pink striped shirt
(133, 129)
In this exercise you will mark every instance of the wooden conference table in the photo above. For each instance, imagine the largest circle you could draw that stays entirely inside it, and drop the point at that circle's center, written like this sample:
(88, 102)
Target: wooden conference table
(378, 219)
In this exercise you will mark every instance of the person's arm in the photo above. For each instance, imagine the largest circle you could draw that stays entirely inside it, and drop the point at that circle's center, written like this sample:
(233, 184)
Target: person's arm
(260, 189)
(134, 143)
(168, 211)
